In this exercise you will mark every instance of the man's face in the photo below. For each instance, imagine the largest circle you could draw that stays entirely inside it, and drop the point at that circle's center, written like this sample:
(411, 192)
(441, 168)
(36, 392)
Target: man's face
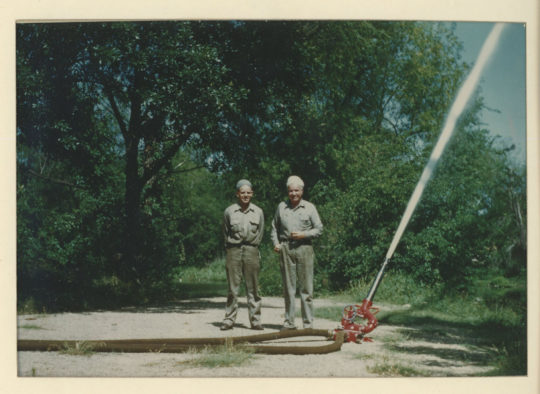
(244, 195)
(295, 193)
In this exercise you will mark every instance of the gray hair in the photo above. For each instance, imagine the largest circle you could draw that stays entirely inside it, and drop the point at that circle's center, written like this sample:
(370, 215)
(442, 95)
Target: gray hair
(243, 182)
(296, 181)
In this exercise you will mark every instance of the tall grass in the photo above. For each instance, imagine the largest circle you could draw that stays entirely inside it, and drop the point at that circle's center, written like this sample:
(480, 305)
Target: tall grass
(270, 281)
(213, 272)
(212, 277)
(207, 281)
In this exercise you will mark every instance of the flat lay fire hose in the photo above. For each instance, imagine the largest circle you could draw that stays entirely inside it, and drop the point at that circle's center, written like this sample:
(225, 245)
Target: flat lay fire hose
(179, 345)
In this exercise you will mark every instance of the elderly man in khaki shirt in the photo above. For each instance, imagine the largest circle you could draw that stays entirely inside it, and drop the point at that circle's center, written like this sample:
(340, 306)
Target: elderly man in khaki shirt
(243, 225)
(295, 224)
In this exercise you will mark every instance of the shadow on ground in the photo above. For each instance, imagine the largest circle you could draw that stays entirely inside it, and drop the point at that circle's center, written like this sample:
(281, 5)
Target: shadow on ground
(439, 343)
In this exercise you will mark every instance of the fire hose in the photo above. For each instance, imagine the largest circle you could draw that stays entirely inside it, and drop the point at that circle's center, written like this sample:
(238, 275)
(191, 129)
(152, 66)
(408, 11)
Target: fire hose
(179, 345)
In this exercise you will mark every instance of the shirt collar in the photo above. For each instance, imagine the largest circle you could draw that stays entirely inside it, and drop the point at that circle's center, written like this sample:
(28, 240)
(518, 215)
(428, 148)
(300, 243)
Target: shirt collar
(239, 208)
(300, 204)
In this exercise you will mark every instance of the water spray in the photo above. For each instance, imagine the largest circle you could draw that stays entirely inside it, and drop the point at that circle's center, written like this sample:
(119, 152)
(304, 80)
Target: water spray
(366, 310)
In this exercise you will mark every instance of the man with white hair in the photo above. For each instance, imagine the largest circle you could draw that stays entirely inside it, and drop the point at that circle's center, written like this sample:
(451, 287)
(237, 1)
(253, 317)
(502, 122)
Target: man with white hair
(243, 225)
(296, 223)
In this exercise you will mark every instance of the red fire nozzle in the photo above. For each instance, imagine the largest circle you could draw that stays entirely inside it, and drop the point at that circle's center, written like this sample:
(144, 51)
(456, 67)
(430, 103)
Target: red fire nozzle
(355, 332)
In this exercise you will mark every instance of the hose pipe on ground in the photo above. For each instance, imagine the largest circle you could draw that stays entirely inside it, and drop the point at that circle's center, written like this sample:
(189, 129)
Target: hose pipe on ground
(179, 345)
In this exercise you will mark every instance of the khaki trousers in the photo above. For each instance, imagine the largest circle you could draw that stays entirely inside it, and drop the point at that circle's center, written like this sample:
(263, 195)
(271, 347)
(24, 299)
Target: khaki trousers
(243, 261)
(297, 264)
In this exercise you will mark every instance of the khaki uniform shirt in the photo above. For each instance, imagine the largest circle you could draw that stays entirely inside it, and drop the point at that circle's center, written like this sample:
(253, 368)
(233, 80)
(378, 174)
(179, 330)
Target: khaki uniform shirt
(243, 227)
(304, 217)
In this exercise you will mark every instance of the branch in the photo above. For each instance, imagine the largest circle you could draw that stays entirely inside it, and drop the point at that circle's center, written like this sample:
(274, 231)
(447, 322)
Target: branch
(53, 180)
(155, 166)
(188, 169)
(394, 126)
(175, 138)
(116, 111)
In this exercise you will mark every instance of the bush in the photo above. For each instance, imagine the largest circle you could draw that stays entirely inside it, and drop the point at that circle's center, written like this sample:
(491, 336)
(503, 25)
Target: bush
(270, 283)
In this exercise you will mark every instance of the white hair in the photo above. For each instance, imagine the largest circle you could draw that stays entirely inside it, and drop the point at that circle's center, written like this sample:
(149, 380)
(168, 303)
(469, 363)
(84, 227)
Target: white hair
(296, 181)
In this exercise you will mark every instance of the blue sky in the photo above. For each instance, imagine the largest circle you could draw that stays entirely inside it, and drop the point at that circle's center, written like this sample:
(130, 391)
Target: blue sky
(503, 81)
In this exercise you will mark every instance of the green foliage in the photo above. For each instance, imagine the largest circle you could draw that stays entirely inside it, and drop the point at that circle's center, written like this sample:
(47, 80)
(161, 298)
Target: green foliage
(464, 209)
(511, 358)
(270, 282)
(131, 135)
(396, 288)
(191, 212)
(214, 272)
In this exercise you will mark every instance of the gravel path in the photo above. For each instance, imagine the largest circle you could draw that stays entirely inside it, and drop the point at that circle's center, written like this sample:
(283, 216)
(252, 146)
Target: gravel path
(390, 350)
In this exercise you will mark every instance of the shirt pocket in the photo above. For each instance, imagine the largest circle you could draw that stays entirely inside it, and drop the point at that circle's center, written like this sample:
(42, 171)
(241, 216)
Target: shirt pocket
(305, 223)
(254, 224)
(236, 225)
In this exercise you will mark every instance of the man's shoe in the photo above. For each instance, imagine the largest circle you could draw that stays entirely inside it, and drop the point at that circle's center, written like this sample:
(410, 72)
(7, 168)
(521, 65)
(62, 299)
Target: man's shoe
(226, 326)
(257, 327)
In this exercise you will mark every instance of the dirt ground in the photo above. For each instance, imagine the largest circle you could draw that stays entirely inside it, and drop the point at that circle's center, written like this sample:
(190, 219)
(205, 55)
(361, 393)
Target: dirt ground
(393, 352)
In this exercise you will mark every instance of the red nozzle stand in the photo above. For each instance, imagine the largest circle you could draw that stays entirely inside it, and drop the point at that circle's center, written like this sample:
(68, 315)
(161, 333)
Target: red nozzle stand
(365, 312)
(356, 332)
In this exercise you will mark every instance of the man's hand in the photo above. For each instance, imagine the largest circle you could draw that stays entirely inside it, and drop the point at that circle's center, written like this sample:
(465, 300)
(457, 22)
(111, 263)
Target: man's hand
(297, 235)
(277, 248)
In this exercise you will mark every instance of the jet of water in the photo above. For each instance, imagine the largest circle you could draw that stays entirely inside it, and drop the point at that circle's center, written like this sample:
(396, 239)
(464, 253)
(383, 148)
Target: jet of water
(457, 108)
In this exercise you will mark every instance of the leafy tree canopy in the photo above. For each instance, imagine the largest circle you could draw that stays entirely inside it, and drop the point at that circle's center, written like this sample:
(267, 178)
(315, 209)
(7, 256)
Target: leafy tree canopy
(130, 135)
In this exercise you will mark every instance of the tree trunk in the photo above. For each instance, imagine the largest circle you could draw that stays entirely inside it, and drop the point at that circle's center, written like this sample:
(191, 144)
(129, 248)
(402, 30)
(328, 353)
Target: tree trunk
(133, 238)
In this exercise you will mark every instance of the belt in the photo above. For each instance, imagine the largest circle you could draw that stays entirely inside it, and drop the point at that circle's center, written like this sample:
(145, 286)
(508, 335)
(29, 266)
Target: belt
(239, 245)
(293, 243)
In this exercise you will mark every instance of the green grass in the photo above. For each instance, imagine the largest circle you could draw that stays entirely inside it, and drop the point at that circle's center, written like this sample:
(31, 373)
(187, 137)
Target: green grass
(218, 357)
(207, 281)
(31, 327)
(213, 272)
(211, 280)
(388, 369)
(329, 313)
(81, 348)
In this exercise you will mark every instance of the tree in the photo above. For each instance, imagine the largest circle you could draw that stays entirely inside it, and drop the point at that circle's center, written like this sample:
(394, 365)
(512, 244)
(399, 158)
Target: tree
(154, 83)
(108, 112)
(67, 174)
